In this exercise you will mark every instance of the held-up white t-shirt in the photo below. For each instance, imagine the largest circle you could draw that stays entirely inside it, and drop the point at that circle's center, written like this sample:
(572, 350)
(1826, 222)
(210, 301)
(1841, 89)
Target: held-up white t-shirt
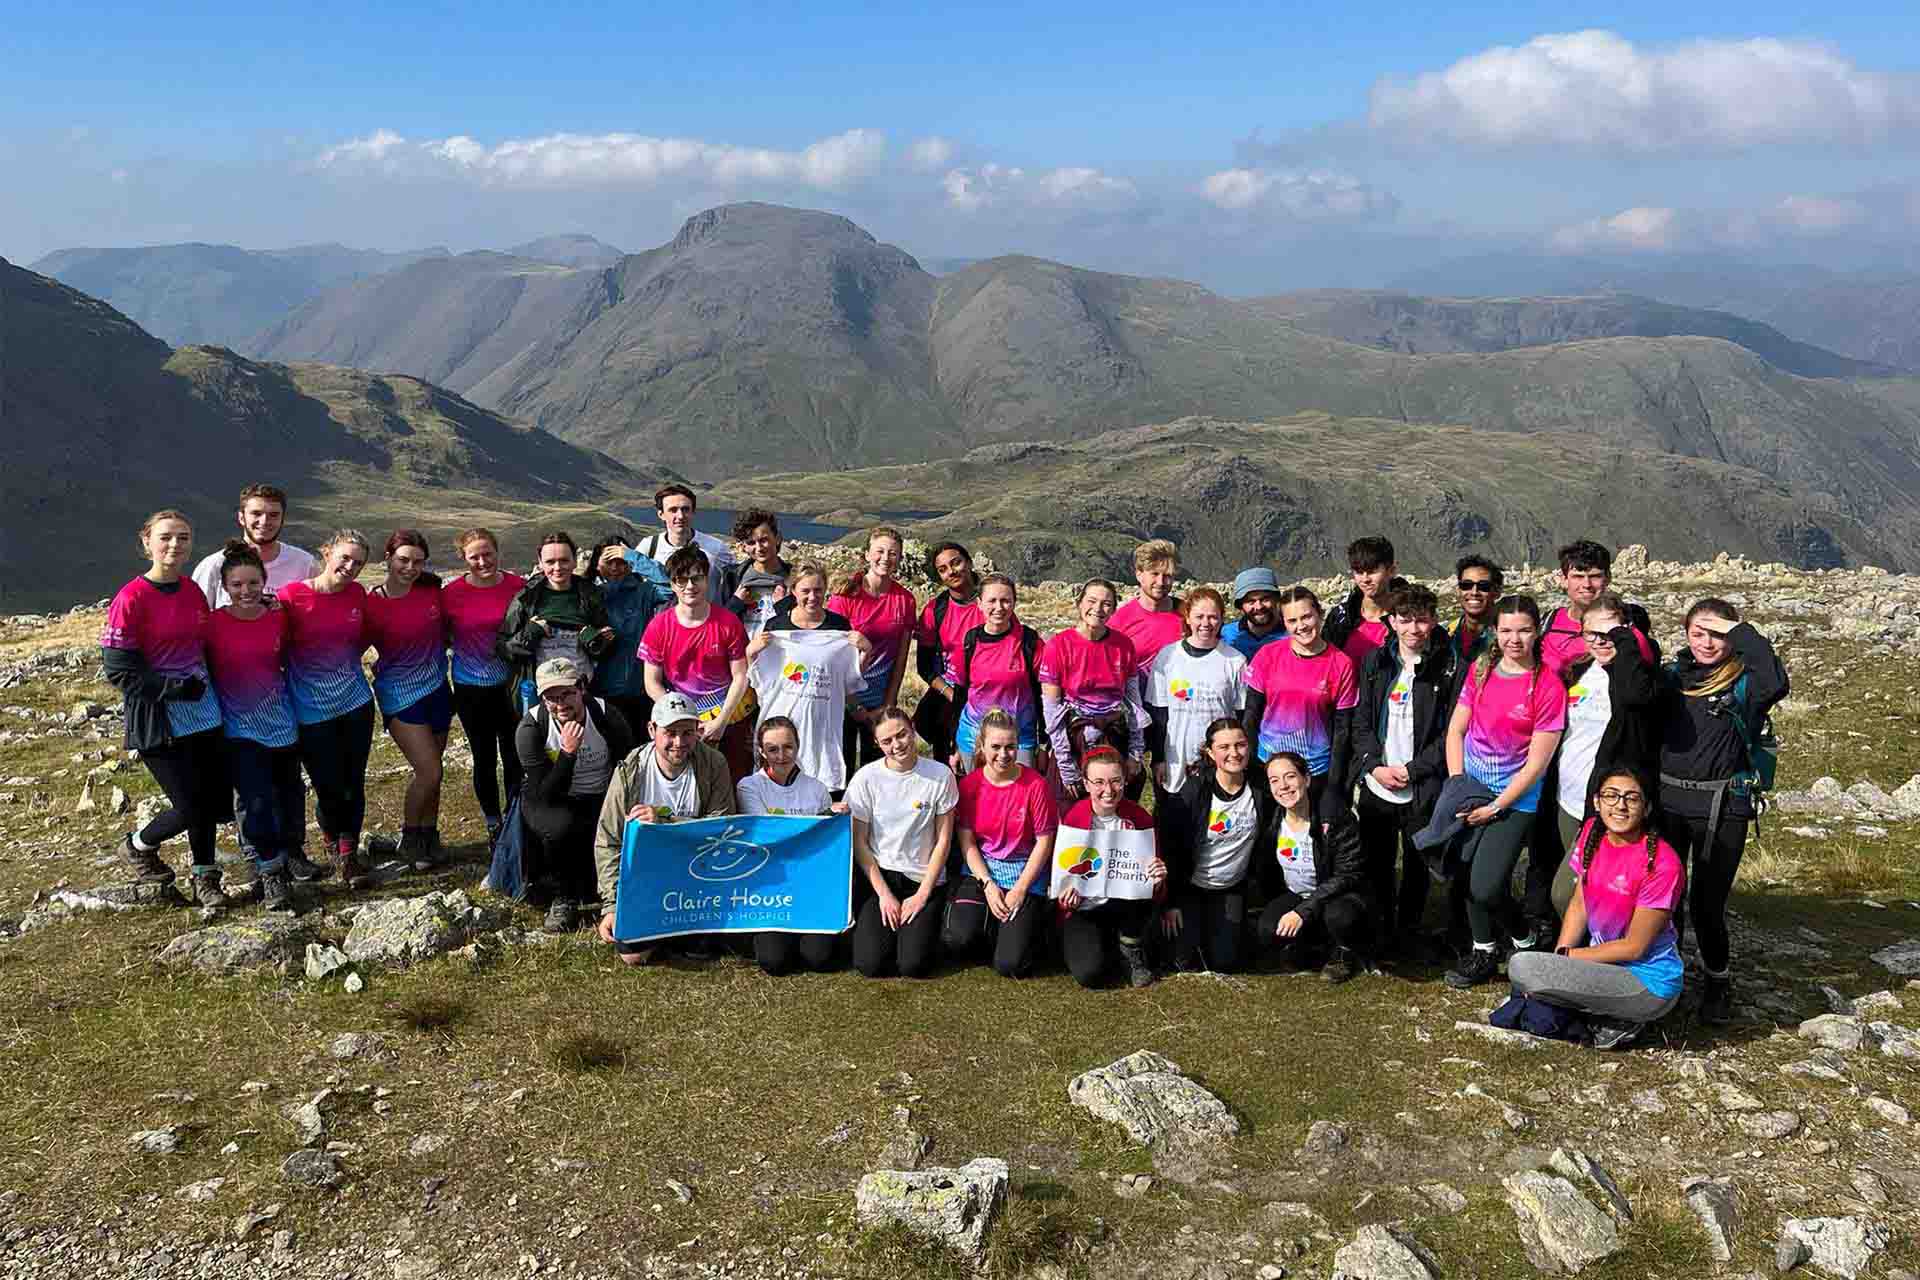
(807, 676)
(901, 811)
(592, 763)
(1227, 846)
(680, 795)
(1399, 743)
(292, 565)
(1589, 710)
(803, 797)
(1294, 852)
(1195, 691)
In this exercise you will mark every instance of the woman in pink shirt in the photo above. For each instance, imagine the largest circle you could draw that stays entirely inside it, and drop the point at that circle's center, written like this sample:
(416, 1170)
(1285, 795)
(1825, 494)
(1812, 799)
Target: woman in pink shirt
(883, 611)
(1090, 691)
(476, 603)
(407, 627)
(1005, 827)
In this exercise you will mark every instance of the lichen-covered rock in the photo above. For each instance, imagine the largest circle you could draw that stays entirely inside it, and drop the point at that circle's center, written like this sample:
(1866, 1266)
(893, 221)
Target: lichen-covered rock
(405, 930)
(954, 1207)
(1842, 1246)
(1147, 1095)
(1841, 1031)
(323, 960)
(241, 947)
(1902, 958)
(64, 904)
(1559, 1227)
(309, 1167)
(1577, 1167)
(1895, 1041)
(1378, 1253)
(1716, 1203)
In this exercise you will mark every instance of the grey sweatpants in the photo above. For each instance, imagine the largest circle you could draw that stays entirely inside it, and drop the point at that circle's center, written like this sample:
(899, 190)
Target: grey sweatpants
(1609, 990)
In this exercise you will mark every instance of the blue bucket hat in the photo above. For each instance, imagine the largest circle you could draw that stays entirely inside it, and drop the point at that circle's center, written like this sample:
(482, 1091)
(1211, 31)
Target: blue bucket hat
(1256, 579)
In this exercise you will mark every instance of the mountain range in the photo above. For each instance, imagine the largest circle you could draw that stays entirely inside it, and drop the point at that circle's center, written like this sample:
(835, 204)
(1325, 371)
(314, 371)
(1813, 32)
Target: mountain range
(101, 423)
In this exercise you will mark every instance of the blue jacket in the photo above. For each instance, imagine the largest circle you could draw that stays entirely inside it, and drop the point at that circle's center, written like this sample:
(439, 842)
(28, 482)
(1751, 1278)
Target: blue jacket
(631, 604)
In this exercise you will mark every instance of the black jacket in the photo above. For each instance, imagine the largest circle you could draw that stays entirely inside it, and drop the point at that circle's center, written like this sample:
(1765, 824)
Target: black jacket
(518, 640)
(1345, 616)
(1183, 826)
(145, 694)
(544, 795)
(1338, 864)
(1632, 736)
(1698, 740)
(1436, 686)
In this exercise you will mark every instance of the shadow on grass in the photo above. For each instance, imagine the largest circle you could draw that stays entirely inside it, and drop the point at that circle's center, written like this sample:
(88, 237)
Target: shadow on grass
(584, 1052)
(429, 1014)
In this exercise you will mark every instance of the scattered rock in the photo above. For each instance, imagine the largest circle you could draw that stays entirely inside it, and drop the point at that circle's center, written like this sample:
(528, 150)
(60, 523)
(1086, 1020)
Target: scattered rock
(159, 1142)
(309, 1167)
(1648, 1102)
(354, 984)
(1895, 1041)
(248, 1223)
(1902, 958)
(1577, 1167)
(1734, 1098)
(906, 1149)
(955, 1207)
(1716, 1202)
(1842, 1246)
(1443, 1197)
(1840, 1031)
(1875, 1002)
(1131, 1186)
(64, 904)
(1559, 1227)
(426, 1144)
(681, 1191)
(310, 1118)
(1379, 1253)
(406, 930)
(1500, 1035)
(354, 1044)
(1146, 1095)
(1867, 1185)
(201, 1191)
(1889, 1110)
(1827, 1068)
(323, 960)
(1324, 1137)
(241, 947)
(1770, 1125)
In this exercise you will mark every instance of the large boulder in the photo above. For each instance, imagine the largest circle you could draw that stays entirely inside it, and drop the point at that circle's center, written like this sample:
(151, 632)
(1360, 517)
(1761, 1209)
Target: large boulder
(1841, 1246)
(1841, 1031)
(405, 930)
(1902, 958)
(1716, 1203)
(1147, 1095)
(1378, 1253)
(954, 1207)
(1559, 1227)
(241, 947)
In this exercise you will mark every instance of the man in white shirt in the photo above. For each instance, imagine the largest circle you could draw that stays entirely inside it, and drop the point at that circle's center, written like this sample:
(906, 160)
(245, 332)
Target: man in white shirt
(675, 504)
(263, 509)
(677, 773)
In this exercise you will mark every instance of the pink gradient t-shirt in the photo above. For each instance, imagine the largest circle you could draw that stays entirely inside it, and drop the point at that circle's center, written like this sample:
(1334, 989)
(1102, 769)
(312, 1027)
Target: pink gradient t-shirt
(1006, 821)
(697, 660)
(328, 634)
(1092, 675)
(168, 629)
(1619, 883)
(409, 633)
(1363, 640)
(1150, 632)
(885, 620)
(1302, 696)
(473, 623)
(247, 660)
(1507, 711)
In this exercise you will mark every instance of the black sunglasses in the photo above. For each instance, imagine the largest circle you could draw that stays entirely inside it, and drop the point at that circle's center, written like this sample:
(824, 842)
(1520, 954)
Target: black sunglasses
(1482, 585)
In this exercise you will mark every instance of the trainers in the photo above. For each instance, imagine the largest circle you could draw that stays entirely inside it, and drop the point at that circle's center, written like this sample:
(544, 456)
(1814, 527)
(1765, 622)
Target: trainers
(1479, 966)
(1617, 1035)
(207, 894)
(1716, 1004)
(276, 892)
(1339, 966)
(427, 852)
(148, 866)
(298, 868)
(1139, 972)
(353, 869)
(561, 916)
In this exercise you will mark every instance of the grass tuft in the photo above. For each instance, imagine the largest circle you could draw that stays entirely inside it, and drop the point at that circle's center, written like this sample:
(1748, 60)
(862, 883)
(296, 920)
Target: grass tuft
(428, 1013)
(587, 1051)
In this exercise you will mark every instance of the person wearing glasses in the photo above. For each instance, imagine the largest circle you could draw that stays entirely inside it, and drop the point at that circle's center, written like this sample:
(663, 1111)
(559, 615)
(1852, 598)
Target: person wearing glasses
(1479, 582)
(567, 747)
(700, 651)
(1617, 957)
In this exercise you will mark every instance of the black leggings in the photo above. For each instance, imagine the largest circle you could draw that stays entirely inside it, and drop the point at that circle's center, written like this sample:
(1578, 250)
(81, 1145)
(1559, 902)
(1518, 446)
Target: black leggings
(1710, 873)
(1491, 852)
(909, 951)
(1386, 832)
(273, 804)
(779, 954)
(1341, 920)
(487, 718)
(1088, 936)
(560, 842)
(1213, 929)
(335, 753)
(193, 772)
(858, 744)
(1015, 943)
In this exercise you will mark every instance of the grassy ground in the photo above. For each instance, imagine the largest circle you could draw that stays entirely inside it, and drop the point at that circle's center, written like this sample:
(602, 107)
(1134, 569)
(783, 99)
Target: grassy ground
(769, 1097)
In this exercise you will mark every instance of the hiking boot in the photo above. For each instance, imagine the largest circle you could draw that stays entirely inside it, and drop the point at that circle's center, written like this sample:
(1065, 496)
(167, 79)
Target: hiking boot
(1477, 967)
(298, 868)
(1139, 972)
(276, 892)
(353, 868)
(562, 915)
(1339, 966)
(1541, 935)
(148, 866)
(428, 852)
(207, 894)
(493, 833)
(1716, 1003)
(1617, 1035)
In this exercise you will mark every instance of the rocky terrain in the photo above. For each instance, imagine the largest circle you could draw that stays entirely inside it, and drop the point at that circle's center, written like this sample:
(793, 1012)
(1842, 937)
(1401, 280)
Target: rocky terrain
(414, 1082)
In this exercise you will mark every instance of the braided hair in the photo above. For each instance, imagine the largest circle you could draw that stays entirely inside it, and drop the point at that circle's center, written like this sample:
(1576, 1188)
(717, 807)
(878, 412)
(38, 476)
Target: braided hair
(1595, 829)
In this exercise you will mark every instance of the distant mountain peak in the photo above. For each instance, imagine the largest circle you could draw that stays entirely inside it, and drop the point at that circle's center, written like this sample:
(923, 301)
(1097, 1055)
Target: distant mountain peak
(568, 249)
(754, 219)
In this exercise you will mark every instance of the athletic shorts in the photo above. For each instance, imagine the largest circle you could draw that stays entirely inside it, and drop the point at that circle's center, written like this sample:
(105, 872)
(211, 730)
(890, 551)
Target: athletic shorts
(435, 711)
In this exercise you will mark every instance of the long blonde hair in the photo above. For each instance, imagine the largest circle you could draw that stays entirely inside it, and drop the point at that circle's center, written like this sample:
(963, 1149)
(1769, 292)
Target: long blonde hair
(1727, 672)
(856, 582)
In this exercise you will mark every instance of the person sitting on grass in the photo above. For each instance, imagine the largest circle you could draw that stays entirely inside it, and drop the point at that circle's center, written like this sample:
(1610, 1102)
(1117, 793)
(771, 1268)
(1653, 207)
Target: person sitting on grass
(675, 777)
(902, 807)
(1617, 960)
(779, 787)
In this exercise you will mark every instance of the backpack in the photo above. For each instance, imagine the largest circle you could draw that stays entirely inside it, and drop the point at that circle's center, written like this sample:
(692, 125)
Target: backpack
(1029, 653)
(506, 875)
(1763, 745)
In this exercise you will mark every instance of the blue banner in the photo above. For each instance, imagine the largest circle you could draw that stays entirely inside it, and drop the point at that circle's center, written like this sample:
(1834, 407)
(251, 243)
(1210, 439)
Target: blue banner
(760, 874)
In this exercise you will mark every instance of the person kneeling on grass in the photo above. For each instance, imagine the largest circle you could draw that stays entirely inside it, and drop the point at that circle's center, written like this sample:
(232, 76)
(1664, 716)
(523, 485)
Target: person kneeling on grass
(567, 747)
(1618, 959)
(1314, 879)
(1090, 932)
(1005, 827)
(673, 778)
(778, 787)
(902, 808)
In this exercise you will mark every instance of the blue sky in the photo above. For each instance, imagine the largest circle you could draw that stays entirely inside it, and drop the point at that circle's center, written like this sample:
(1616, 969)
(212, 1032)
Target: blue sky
(1248, 146)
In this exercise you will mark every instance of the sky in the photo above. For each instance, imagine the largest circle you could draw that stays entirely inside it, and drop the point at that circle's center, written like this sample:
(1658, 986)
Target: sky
(1248, 147)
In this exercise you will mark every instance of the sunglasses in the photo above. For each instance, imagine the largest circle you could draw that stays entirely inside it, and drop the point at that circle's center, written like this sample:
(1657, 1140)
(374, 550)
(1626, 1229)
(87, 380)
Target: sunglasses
(1481, 586)
(1597, 637)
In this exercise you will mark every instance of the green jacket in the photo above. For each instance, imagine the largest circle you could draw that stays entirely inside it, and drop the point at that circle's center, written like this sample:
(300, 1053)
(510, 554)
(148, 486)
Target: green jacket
(582, 606)
(713, 792)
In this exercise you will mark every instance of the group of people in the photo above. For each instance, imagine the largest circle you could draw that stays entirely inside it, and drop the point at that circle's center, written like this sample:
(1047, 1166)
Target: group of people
(1311, 770)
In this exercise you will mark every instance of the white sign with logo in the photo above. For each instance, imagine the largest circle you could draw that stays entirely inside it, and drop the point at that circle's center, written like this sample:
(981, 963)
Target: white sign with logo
(1102, 864)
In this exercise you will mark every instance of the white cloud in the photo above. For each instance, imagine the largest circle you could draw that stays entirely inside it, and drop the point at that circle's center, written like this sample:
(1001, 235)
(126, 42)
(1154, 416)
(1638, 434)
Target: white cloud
(1793, 219)
(929, 154)
(571, 160)
(990, 185)
(1297, 193)
(1596, 89)
(1644, 227)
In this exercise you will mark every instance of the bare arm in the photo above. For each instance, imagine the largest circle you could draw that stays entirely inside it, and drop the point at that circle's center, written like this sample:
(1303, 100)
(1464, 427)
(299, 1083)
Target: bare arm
(1457, 741)
(1645, 926)
(656, 681)
(863, 857)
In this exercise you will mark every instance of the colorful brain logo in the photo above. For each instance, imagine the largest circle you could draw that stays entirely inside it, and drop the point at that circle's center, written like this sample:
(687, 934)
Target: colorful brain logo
(1220, 822)
(1079, 860)
(795, 672)
(1181, 689)
(1397, 695)
(1285, 847)
(1577, 695)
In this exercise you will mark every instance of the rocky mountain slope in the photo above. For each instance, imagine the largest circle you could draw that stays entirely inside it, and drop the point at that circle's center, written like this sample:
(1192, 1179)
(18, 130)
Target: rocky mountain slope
(571, 250)
(104, 423)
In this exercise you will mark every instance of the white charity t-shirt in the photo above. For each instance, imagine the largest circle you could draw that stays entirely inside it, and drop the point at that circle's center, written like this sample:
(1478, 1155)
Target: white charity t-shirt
(1399, 741)
(1589, 710)
(718, 552)
(680, 795)
(1227, 846)
(804, 796)
(592, 763)
(1294, 852)
(807, 676)
(292, 565)
(1195, 690)
(901, 811)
